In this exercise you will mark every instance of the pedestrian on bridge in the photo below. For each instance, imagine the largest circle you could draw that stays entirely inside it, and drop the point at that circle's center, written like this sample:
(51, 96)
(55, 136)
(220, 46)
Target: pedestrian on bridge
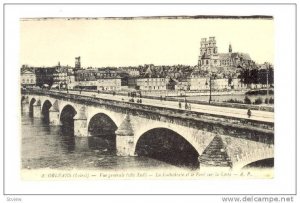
(179, 104)
(249, 113)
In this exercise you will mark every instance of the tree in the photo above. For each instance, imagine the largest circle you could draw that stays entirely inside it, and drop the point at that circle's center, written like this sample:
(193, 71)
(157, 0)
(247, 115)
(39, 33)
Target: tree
(247, 100)
(254, 76)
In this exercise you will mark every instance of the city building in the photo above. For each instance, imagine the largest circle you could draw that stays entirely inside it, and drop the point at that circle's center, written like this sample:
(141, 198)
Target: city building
(220, 84)
(237, 84)
(103, 84)
(44, 76)
(109, 84)
(153, 84)
(93, 74)
(104, 79)
(182, 84)
(63, 76)
(60, 77)
(198, 82)
(132, 71)
(70, 75)
(28, 78)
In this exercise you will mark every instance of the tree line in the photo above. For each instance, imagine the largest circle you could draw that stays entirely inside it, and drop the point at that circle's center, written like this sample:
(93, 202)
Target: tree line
(257, 76)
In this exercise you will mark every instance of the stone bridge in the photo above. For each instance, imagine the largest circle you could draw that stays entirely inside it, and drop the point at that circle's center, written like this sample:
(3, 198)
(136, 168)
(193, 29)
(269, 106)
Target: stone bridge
(143, 130)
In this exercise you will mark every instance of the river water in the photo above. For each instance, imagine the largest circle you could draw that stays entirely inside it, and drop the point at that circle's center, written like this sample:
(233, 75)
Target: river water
(45, 146)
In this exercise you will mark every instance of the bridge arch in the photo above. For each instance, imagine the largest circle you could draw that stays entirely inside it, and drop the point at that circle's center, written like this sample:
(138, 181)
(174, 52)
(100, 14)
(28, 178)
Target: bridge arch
(46, 105)
(262, 163)
(259, 159)
(101, 130)
(197, 138)
(115, 117)
(67, 114)
(44, 99)
(31, 103)
(167, 145)
(23, 98)
(63, 104)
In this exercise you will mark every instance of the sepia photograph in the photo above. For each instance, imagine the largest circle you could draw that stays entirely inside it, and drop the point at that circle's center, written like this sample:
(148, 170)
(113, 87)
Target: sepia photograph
(186, 97)
(174, 102)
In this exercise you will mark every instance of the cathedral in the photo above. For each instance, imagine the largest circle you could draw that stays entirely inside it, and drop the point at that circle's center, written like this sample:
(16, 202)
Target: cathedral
(210, 59)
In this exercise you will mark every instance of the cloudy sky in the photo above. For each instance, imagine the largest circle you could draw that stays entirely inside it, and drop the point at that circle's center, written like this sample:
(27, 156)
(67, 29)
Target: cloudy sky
(106, 42)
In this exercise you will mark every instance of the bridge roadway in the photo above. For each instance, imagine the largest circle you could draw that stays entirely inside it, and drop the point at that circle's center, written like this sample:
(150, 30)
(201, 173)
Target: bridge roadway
(264, 116)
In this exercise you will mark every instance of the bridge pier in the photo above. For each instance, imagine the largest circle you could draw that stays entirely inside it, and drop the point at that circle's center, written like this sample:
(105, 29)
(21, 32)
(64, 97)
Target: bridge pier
(54, 114)
(37, 111)
(25, 106)
(80, 124)
(80, 127)
(125, 138)
(54, 117)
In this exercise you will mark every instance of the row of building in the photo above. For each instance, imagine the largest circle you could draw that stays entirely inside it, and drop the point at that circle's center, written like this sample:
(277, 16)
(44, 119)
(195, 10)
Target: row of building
(215, 70)
(113, 80)
(63, 77)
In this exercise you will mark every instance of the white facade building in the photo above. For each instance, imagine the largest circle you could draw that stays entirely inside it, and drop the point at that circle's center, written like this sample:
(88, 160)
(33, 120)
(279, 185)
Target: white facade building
(28, 78)
(104, 84)
(152, 84)
(237, 85)
(220, 84)
(198, 83)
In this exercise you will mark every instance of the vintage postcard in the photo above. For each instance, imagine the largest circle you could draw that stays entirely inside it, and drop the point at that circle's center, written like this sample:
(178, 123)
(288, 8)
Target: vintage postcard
(169, 97)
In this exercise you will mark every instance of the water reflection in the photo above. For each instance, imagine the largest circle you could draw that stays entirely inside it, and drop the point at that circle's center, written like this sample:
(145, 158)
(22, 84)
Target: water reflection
(66, 138)
(31, 106)
(66, 117)
(102, 135)
(45, 111)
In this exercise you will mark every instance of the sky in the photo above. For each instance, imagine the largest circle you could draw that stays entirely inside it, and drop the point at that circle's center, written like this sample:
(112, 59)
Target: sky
(111, 42)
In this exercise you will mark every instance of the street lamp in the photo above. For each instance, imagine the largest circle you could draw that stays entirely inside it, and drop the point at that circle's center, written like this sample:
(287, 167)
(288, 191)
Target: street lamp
(267, 67)
(209, 89)
(184, 94)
